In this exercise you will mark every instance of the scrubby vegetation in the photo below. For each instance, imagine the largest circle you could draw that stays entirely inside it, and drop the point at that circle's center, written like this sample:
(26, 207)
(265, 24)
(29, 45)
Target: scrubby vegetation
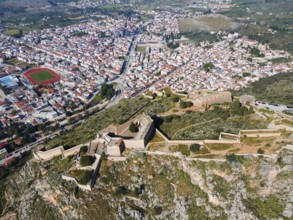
(209, 124)
(87, 131)
(259, 207)
(184, 149)
(273, 89)
(269, 21)
(82, 176)
(87, 160)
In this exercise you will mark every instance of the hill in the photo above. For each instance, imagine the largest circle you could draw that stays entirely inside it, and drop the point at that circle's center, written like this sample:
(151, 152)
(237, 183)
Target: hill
(156, 187)
(275, 89)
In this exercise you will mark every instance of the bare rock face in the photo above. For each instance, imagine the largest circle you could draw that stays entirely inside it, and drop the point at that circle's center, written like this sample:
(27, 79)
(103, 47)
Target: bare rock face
(160, 187)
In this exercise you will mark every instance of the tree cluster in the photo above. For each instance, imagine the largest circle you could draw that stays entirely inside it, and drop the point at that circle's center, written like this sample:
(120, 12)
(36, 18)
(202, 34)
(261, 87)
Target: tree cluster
(232, 158)
(238, 109)
(173, 45)
(256, 52)
(107, 91)
(208, 66)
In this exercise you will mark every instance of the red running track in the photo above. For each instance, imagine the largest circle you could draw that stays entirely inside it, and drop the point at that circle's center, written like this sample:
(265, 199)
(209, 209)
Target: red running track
(28, 73)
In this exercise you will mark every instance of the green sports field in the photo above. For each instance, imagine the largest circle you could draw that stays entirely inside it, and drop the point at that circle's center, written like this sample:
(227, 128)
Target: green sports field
(42, 75)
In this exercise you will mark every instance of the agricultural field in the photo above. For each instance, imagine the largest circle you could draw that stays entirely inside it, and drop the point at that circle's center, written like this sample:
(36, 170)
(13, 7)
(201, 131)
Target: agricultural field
(14, 32)
(260, 16)
(207, 23)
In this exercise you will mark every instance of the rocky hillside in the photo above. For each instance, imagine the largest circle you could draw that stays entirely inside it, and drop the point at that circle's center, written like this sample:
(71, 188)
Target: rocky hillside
(156, 187)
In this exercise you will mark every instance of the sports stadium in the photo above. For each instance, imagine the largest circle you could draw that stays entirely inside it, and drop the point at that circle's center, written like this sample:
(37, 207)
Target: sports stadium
(42, 76)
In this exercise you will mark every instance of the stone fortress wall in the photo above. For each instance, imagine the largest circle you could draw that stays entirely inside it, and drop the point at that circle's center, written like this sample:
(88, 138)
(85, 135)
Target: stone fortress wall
(202, 98)
(95, 167)
(58, 151)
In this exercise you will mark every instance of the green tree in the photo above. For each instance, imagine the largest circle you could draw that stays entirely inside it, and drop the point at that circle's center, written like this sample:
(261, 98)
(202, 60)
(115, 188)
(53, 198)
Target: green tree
(231, 158)
(189, 104)
(107, 91)
(194, 147)
(133, 128)
(245, 74)
(260, 151)
(175, 98)
(121, 190)
(83, 150)
(182, 104)
(208, 66)
(104, 89)
(110, 93)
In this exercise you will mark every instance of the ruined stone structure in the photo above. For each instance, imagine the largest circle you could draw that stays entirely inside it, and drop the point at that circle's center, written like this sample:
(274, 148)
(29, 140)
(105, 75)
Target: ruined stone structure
(203, 98)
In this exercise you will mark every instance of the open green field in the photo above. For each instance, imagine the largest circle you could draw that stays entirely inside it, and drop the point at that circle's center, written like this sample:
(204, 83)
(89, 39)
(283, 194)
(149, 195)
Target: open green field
(42, 76)
(14, 32)
(141, 49)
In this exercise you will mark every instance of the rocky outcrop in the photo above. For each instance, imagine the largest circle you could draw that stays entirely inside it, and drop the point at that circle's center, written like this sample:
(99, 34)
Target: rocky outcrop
(156, 186)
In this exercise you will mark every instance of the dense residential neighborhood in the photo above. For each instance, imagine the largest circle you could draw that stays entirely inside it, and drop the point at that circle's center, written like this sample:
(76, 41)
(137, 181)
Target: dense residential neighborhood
(88, 54)
(146, 109)
(141, 57)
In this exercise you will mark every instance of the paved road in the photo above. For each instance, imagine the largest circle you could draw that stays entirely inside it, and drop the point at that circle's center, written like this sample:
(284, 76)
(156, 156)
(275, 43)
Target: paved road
(277, 108)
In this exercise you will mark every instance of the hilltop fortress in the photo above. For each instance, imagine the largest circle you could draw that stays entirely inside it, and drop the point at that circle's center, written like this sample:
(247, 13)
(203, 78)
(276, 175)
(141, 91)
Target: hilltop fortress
(112, 142)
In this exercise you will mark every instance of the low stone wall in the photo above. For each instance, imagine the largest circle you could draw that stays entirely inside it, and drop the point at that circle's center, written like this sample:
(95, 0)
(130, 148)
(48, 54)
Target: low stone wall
(180, 156)
(117, 158)
(201, 142)
(185, 142)
(221, 141)
(263, 135)
(229, 136)
(260, 133)
(161, 134)
(282, 126)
